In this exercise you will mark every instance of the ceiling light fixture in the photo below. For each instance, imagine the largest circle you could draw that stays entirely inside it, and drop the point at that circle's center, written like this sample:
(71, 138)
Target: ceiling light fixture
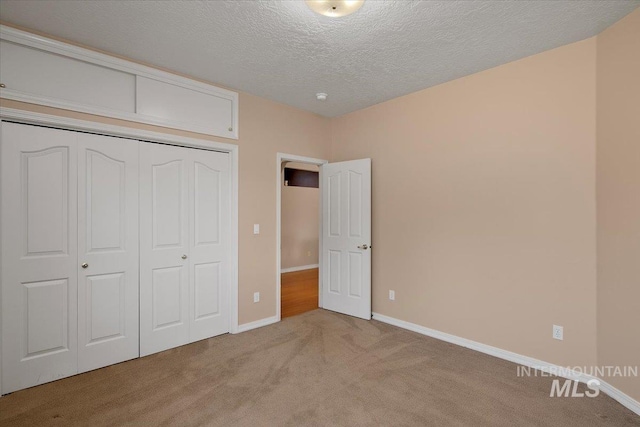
(334, 9)
(321, 96)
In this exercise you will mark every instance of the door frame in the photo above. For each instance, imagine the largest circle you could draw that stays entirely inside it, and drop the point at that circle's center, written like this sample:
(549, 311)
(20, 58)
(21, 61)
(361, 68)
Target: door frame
(34, 118)
(280, 158)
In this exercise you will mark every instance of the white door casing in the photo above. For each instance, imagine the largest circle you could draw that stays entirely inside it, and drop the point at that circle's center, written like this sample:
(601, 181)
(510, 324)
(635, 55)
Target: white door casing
(280, 159)
(39, 255)
(107, 251)
(346, 237)
(184, 246)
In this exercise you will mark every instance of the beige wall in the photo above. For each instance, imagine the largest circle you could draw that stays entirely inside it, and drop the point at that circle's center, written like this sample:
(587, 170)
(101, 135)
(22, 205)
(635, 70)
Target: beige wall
(266, 128)
(618, 198)
(300, 222)
(484, 204)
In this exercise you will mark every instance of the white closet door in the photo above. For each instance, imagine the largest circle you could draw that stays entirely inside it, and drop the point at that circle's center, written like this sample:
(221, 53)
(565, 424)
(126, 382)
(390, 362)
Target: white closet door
(107, 251)
(39, 255)
(209, 199)
(164, 248)
(184, 246)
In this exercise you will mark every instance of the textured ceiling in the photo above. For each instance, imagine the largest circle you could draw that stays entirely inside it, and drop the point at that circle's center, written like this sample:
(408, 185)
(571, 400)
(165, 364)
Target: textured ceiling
(281, 50)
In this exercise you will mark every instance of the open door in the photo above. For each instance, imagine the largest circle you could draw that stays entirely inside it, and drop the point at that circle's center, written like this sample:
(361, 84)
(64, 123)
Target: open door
(346, 237)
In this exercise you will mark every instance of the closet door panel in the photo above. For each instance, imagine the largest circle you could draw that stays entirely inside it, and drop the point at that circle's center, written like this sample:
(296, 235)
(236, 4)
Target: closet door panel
(108, 330)
(39, 255)
(209, 230)
(164, 248)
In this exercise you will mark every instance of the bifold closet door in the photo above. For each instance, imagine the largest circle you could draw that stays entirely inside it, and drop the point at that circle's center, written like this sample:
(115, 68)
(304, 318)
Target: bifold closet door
(184, 246)
(164, 287)
(209, 237)
(69, 253)
(39, 255)
(108, 330)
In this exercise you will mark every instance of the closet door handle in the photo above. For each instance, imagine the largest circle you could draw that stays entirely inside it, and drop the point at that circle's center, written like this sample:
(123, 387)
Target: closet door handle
(85, 265)
(184, 257)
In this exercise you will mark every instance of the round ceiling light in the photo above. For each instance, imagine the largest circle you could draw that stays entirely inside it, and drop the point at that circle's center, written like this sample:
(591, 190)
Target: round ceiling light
(334, 9)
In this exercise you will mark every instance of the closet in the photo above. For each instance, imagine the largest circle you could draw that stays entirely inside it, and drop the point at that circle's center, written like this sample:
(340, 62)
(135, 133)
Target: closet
(111, 248)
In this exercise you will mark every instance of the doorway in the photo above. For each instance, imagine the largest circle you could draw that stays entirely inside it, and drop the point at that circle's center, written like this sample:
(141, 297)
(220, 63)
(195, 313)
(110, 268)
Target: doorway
(298, 232)
(344, 245)
(300, 224)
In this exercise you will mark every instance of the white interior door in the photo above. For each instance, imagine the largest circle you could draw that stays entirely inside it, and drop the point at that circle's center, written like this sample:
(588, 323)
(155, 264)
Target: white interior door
(164, 248)
(209, 238)
(39, 255)
(346, 237)
(107, 251)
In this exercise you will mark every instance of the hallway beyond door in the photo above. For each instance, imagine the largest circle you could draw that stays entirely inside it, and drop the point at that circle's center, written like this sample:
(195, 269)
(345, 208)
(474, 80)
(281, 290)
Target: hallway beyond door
(299, 292)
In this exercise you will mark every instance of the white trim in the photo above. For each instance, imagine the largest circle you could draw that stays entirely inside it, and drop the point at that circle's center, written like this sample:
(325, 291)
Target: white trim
(0, 270)
(283, 157)
(624, 399)
(30, 117)
(138, 134)
(257, 324)
(605, 387)
(235, 252)
(93, 57)
(301, 159)
(473, 345)
(299, 268)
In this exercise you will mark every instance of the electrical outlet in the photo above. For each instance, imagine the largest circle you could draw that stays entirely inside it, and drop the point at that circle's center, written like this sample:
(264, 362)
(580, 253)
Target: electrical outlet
(392, 295)
(256, 228)
(256, 297)
(558, 332)
(308, 253)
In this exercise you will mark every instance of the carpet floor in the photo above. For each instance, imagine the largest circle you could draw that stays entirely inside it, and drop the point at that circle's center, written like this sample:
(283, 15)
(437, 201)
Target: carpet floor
(319, 368)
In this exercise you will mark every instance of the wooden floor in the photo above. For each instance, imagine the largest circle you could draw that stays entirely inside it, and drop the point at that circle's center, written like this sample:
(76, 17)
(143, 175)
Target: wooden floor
(299, 292)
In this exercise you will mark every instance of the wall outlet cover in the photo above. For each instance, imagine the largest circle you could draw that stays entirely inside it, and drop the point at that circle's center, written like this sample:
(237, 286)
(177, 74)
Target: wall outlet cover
(558, 332)
(392, 295)
(256, 297)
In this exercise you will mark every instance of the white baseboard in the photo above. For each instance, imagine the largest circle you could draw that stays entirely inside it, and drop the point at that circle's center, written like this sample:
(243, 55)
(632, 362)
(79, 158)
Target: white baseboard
(257, 324)
(619, 396)
(300, 268)
(614, 393)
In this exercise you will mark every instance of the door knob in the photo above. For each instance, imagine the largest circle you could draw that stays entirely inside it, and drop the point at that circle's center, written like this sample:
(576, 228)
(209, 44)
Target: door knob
(85, 265)
(364, 247)
(184, 257)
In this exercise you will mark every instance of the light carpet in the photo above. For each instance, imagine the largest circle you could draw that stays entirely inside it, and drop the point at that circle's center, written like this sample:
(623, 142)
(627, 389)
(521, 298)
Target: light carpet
(317, 369)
